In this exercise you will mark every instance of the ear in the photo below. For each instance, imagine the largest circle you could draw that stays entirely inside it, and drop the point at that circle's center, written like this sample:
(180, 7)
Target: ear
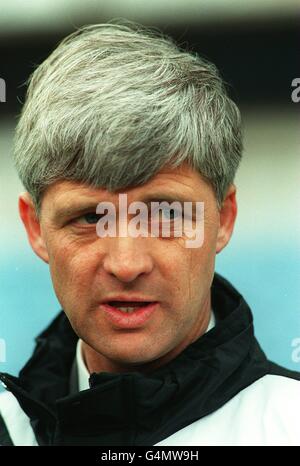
(228, 213)
(32, 225)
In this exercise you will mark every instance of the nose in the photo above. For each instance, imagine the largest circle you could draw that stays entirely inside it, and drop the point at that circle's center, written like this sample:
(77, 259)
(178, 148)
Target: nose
(127, 259)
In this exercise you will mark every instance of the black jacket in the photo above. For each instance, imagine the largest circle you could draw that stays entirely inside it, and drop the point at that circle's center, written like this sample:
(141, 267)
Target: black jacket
(136, 409)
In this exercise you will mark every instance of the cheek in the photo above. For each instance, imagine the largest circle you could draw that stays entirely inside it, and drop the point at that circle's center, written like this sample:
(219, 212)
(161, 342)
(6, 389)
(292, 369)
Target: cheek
(72, 270)
(201, 266)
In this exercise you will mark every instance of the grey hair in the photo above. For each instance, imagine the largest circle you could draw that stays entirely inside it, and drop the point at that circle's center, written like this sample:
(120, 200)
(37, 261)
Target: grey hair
(114, 103)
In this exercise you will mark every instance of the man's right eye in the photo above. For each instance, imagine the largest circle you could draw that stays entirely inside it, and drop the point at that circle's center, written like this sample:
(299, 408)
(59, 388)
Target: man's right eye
(91, 218)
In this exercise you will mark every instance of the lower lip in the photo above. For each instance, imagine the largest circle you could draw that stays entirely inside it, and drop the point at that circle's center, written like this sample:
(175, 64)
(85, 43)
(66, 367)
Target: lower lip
(135, 319)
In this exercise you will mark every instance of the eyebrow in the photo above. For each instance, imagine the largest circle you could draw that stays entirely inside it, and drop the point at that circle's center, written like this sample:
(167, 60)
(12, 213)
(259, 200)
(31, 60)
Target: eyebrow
(73, 210)
(166, 198)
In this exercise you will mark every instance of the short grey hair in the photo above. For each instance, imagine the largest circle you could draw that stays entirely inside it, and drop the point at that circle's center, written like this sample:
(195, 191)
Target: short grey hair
(114, 103)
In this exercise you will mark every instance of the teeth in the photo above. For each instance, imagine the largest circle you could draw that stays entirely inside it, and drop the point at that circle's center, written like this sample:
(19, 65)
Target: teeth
(127, 309)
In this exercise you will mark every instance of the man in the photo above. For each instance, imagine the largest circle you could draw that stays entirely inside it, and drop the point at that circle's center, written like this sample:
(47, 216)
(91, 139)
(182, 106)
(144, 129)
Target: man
(152, 346)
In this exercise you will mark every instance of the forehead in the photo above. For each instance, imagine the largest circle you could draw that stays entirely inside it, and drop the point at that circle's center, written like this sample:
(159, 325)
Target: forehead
(181, 183)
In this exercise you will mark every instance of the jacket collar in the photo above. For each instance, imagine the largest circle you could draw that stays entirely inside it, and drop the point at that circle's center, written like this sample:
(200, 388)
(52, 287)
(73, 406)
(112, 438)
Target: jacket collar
(132, 408)
(80, 375)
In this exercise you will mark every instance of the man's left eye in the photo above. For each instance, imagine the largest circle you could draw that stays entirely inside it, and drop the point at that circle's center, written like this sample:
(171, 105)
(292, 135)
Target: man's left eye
(173, 214)
(91, 218)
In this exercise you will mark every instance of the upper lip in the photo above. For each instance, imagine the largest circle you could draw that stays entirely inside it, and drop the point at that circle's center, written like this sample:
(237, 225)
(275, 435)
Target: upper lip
(127, 298)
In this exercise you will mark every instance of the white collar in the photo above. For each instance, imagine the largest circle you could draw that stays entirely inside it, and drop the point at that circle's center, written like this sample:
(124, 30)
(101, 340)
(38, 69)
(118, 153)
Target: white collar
(212, 322)
(83, 373)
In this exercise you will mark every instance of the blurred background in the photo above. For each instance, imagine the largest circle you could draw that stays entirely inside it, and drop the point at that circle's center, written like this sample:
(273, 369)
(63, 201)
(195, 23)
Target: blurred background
(255, 46)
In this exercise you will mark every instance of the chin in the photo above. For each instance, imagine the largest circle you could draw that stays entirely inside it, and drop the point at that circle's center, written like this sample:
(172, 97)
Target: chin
(133, 358)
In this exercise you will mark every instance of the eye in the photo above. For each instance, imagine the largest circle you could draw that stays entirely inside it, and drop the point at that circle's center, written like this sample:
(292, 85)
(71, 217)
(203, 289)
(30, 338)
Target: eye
(91, 218)
(169, 213)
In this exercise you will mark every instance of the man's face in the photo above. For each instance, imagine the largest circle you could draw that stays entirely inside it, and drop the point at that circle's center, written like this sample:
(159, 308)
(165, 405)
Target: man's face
(88, 270)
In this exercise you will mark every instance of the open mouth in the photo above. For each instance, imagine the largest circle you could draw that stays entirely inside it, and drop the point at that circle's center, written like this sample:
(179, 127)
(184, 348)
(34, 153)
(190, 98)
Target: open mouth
(129, 306)
(129, 314)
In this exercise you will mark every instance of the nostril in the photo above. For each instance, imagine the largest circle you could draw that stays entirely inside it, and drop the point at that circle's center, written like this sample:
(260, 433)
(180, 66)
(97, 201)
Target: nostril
(126, 269)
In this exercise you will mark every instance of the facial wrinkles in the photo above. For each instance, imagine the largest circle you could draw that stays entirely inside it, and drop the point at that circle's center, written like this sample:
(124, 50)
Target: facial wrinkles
(179, 179)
